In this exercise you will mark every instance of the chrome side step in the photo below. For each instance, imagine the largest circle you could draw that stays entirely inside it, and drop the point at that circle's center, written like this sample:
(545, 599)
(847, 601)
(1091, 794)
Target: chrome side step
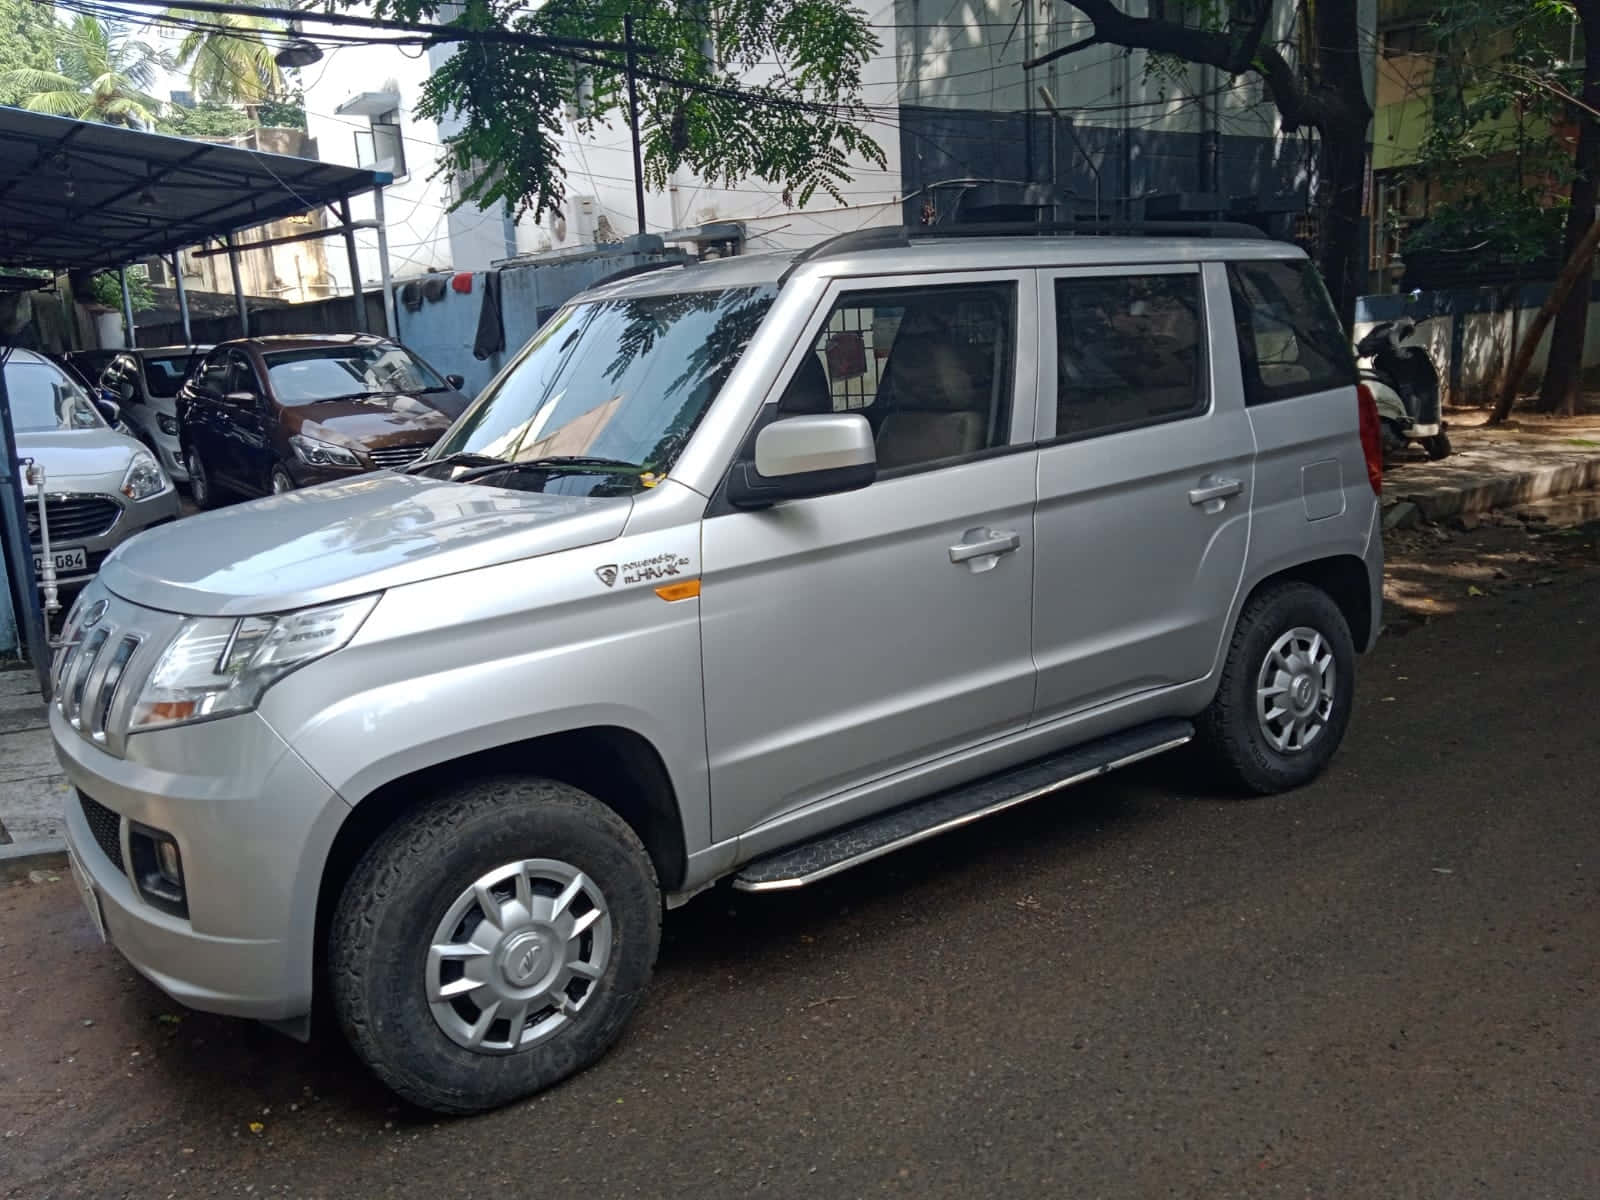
(841, 849)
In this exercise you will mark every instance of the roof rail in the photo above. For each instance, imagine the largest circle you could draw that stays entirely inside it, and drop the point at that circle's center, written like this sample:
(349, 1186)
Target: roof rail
(899, 237)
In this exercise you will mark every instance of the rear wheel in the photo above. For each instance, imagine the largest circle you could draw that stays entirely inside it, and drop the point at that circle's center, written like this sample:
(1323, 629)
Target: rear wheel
(494, 943)
(1284, 700)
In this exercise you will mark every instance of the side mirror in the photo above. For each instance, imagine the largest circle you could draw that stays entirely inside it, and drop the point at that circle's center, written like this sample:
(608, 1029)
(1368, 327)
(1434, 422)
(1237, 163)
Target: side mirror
(797, 457)
(242, 399)
(456, 381)
(109, 409)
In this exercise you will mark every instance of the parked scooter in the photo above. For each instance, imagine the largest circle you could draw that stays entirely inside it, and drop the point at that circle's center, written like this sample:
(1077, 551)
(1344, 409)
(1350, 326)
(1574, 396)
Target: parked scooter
(1405, 384)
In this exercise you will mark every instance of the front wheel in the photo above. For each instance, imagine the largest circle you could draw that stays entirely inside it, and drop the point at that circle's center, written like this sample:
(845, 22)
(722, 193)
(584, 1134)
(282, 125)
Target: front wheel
(1285, 697)
(493, 943)
(200, 485)
(281, 480)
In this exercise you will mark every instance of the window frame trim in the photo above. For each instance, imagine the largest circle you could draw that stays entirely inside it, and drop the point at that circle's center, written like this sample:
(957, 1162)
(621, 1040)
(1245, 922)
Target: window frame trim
(1049, 367)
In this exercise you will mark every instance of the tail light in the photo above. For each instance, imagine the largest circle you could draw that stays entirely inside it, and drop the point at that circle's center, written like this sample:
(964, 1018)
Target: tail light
(1371, 437)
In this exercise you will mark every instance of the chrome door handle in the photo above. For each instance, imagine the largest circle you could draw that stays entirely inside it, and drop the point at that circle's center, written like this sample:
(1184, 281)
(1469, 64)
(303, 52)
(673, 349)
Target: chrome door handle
(997, 542)
(1220, 490)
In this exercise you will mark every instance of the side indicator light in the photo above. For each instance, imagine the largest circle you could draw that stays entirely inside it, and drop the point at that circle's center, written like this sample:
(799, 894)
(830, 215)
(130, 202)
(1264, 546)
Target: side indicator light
(688, 589)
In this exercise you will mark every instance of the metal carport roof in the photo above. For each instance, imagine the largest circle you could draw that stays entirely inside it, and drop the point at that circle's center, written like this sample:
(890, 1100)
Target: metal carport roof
(75, 195)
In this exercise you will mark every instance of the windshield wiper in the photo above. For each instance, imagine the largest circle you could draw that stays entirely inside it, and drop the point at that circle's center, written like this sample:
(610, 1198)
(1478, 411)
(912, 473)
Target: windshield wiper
(351, 396)
(461, 458)
(557, 462)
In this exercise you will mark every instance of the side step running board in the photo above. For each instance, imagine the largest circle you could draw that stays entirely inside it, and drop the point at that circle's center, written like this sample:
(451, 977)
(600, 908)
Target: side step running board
(841, 849)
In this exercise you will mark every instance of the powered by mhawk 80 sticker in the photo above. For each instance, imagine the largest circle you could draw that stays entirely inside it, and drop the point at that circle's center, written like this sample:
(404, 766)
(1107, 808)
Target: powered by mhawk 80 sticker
(645, 570)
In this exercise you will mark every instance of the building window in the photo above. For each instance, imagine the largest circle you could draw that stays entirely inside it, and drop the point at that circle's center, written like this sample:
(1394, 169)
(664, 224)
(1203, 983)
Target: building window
(1405, 39)
(382, 148)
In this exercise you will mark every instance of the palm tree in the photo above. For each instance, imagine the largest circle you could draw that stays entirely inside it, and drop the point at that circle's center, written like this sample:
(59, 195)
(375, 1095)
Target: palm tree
(103, 74)
(231, 60)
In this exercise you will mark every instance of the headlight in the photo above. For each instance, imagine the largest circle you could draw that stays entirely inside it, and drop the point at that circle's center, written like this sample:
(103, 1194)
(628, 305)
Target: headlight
(168, 424)
(217, 665)
(323, 454)
(145, 478)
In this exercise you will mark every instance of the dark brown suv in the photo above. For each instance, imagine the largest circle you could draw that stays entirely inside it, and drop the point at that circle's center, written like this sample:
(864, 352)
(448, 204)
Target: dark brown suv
(270, 414)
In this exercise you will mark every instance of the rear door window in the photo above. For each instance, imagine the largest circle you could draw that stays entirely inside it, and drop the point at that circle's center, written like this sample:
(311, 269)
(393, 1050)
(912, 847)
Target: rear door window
(1290, 340)
(1128, 351)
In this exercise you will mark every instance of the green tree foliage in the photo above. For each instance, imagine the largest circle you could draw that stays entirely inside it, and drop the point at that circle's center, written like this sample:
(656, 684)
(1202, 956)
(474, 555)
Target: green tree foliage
(28, 38)
(102, 73)
(106, 290)
(699, 107)
(208, 119)
(231, 60)
(1493, 96)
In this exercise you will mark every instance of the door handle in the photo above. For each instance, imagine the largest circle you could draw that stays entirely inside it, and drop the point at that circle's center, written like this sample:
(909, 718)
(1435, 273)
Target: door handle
(997, 541)
(1220, 489)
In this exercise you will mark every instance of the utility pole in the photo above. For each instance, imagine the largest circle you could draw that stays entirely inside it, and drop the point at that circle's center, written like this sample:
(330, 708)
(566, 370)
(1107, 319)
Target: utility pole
(633, 119)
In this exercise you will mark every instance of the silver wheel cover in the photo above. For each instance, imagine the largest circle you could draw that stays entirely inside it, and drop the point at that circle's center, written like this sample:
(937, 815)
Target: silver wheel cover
(517, 956)
(1295, 689)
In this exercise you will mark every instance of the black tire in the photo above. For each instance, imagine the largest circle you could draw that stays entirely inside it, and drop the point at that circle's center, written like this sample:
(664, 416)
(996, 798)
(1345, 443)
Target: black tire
(201, 488)
(1230, 732)
(1437, 446)
(279, 475)
(401, 890)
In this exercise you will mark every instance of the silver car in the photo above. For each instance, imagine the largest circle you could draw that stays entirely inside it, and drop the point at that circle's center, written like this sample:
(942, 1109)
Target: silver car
(101, 487)
(754, 570)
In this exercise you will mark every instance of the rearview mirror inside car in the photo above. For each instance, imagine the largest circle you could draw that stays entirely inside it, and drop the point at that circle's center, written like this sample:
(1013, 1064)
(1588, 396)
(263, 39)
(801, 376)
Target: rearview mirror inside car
(796, 457)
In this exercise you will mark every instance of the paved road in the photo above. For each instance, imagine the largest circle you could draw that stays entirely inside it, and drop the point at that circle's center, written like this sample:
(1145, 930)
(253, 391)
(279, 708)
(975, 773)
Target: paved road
(1386, 985)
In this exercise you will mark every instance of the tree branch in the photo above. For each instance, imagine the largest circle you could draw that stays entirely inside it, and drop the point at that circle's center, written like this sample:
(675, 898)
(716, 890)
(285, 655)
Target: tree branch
(1062, 52)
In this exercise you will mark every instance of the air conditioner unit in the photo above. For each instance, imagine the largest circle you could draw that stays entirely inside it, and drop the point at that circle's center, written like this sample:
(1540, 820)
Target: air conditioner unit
(585, 218)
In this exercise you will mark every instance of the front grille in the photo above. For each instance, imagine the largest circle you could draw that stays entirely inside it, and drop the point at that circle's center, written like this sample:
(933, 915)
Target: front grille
(106, 827)
(396, 456)
(72, 517)
(85, 688)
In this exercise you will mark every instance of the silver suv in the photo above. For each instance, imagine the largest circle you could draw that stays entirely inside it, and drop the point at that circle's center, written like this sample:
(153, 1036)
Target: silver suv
(756, 569)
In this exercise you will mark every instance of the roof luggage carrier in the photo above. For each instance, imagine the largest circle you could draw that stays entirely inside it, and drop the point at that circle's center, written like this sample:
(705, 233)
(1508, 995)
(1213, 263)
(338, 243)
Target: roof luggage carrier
(900, 237)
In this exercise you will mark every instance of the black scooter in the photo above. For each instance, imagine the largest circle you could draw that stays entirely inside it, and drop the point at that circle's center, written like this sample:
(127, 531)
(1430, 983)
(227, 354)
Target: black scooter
(1405, 384)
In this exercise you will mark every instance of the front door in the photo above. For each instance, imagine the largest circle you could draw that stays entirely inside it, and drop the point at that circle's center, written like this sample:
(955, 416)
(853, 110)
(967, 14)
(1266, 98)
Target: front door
(252, 427)
(1144, 487)
(849, 637)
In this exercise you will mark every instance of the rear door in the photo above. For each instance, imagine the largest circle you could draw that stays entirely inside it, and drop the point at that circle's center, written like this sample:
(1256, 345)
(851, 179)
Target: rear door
(1144, 483)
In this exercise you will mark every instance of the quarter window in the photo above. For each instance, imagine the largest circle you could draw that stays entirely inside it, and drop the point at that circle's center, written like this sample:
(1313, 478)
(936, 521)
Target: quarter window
(1290, 340)
(1128, 352)
(930, 368)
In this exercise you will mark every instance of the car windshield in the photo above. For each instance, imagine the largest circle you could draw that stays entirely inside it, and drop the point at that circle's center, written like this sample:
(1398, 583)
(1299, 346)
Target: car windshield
(164, 376)
(327, 372)
(622, 380)
(45, 398)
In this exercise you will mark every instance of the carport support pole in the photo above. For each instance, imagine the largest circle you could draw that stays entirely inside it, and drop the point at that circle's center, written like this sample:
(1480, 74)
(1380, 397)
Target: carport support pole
(391, 326)
(183, 298)
(238, 286)
(357, 299)
(128, 339)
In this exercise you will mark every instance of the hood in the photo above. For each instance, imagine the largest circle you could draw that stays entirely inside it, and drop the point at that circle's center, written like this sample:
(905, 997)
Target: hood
(346, 539)
(375, 419)
(69, 454)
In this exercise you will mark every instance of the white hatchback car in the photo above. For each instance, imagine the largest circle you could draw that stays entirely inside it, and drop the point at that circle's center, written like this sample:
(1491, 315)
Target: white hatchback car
(101, 487)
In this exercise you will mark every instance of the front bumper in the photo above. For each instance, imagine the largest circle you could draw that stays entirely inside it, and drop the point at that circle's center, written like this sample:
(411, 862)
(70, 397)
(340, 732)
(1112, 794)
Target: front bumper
(253, 824)
(136, 516)
(171, 455)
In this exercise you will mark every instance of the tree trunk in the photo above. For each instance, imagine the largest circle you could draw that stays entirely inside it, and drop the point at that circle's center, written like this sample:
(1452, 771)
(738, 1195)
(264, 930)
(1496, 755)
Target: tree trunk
(1342, 170)
(1580, 264)
(1563, 375)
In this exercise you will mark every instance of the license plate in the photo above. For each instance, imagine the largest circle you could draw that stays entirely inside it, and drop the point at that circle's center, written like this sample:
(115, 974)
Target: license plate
(74, 559)
(91, 898)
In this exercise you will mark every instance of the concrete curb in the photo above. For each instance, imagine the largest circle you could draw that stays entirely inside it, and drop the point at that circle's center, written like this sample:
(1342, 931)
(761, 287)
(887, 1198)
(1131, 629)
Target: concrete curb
(1505, 491)
(37, 854)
